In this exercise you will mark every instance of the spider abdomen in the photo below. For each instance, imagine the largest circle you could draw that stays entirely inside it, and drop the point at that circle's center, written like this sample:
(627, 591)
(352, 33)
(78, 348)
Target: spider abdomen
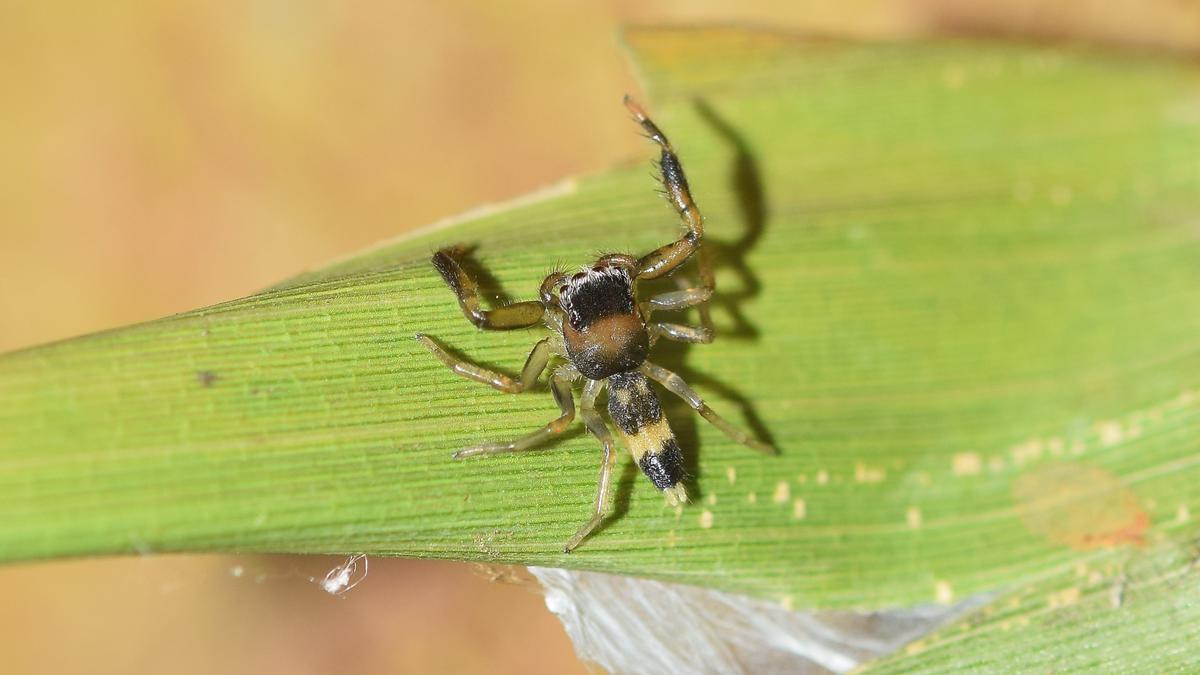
(643, 428)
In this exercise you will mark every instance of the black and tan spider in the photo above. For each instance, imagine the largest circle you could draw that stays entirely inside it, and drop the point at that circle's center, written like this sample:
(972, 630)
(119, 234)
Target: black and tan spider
(603, 333)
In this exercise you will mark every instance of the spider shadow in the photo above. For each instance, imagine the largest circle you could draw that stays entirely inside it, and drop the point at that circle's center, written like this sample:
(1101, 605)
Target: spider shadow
(622, 495)
(746, 182)
(489, 286)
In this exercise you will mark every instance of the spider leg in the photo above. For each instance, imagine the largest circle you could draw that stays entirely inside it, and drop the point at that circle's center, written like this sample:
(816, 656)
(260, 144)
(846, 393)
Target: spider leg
(665, 259)
(539, 356)
(710, 283)
(677, 386)
(684, 298)
(674, 331)
(595, 424)
(560, 385)
(681, 299)
(516, 315)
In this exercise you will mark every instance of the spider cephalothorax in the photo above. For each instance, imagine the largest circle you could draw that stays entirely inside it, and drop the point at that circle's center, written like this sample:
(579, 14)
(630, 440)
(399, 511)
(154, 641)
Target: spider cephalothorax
(603, 334)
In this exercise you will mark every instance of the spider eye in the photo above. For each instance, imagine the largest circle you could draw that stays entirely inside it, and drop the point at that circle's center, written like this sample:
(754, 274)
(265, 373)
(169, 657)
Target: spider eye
(574, 318)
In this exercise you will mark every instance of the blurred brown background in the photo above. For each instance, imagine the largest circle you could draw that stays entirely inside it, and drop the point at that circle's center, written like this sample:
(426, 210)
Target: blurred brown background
(160, 156)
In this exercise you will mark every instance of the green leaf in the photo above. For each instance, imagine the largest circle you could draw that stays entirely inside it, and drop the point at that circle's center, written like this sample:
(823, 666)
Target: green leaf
(1114, 611)
(957, 285)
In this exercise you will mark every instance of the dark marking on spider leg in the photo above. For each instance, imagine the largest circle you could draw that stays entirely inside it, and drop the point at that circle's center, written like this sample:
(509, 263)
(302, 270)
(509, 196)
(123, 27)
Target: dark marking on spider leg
(643, 428)
(665, 259)
(516, 315)
(674, 180)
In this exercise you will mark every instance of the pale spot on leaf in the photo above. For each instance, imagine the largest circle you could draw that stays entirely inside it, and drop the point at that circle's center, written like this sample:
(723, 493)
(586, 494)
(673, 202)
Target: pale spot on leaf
(1029, 451)
(1110, 433)
(867, 474)
(1064, 598)
(913, 517)
(943, 593)
(966, 463)
(782, 492)
(706, 519)
(954, 77)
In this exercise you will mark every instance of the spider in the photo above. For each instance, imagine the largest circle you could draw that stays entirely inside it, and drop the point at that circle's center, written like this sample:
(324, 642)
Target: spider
(603, 333)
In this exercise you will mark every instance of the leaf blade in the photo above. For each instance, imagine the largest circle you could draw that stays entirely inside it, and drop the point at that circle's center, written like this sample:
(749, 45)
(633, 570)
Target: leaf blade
(943, 267)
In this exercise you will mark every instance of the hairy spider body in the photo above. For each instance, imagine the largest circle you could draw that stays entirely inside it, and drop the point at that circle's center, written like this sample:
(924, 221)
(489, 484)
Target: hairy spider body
(642, 426)
(604, 334)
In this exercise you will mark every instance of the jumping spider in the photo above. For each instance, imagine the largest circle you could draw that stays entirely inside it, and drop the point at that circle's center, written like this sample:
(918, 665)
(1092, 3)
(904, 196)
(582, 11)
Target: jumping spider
(604, 333)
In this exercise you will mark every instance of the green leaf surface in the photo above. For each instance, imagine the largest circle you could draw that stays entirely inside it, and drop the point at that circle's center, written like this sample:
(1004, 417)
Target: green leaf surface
(958, 286)
(1114, 611)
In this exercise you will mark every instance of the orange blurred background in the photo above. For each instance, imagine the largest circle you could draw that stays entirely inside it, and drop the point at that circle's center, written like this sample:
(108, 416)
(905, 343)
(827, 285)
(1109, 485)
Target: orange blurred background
(161, 156)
